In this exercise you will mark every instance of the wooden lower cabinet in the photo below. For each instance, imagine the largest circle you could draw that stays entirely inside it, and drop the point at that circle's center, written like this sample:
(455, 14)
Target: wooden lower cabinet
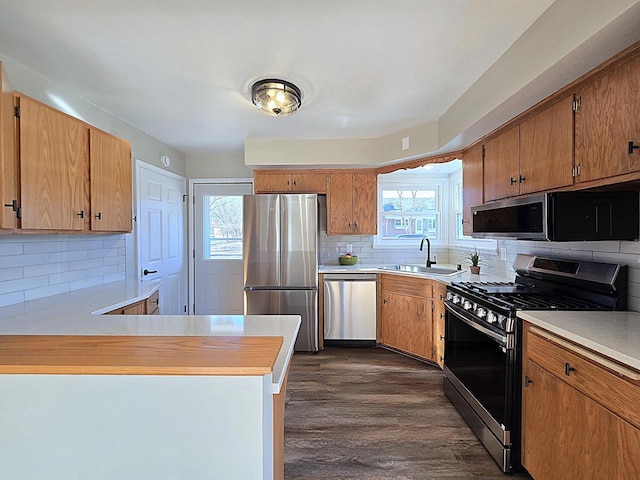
(406, 315)
(579, 420)
(149, 306)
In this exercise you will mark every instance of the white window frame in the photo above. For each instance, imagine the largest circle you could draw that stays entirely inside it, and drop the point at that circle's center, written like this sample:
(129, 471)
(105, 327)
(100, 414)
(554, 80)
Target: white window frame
(403, 181)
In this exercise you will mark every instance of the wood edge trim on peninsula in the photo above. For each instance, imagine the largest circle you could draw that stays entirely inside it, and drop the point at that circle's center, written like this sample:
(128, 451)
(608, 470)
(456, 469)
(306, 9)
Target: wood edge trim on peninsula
(138, 355)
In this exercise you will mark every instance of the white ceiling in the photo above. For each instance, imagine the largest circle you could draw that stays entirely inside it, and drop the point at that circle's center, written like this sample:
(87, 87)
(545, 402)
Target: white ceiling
(181, 71)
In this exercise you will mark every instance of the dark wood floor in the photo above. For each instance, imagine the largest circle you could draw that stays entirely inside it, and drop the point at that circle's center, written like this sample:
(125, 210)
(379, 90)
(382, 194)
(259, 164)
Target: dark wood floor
(372, 414)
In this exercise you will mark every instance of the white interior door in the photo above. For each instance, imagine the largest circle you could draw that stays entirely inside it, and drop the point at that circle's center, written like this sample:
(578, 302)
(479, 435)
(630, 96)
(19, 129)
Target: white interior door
(161, 251)
(218, 276)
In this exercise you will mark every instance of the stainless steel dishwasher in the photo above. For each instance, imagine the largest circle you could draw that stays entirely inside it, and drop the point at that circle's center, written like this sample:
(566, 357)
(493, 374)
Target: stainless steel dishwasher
(350, 309)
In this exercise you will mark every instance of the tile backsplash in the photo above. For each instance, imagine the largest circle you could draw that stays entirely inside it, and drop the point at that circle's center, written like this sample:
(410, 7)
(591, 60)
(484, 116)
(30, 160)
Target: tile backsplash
(36, 266)
(624, 253)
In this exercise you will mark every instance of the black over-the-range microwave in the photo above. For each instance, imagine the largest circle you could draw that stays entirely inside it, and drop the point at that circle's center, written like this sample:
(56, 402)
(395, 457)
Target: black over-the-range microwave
(561, 217)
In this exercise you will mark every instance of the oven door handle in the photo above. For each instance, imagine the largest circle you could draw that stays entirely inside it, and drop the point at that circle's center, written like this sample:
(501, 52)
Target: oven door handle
(490, 333)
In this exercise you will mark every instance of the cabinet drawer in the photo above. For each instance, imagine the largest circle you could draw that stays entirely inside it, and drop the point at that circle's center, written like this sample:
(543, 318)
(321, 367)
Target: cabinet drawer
(612, 385)
(419, 287)
(152, 304)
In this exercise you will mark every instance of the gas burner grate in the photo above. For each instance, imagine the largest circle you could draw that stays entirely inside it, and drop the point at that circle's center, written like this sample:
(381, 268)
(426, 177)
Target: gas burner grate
(543, 301)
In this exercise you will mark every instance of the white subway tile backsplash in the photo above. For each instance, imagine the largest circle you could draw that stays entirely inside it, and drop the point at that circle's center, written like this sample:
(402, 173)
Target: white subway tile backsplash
(10, 249)
(88, 282)
(11, 298)
(23, 284)
(115, 277)
(67, 277)
(23, 260)
(86, 245)
(46, 247)
(36, 266)
(86, 264)
(11, 273)
(69, 256)
(51, 268)
(35, 293)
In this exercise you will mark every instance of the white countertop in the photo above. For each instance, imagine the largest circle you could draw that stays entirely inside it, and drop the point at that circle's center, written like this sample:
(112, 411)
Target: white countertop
(79, 303)
(464, 276)
(612, 334)
(80, 313)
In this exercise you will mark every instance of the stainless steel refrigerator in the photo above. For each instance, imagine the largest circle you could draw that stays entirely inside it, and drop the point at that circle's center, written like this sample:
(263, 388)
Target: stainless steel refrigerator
(281, 261)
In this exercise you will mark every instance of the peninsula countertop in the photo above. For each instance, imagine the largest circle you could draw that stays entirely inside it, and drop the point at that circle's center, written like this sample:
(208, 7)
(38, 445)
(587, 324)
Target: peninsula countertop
(284, 326)
(613, 334)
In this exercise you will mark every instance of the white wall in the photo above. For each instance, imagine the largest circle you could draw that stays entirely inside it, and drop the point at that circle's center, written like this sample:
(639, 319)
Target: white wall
(217, 165)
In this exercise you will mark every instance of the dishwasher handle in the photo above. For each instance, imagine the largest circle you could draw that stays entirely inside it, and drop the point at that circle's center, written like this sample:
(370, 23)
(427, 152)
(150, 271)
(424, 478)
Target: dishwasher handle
(349, 277)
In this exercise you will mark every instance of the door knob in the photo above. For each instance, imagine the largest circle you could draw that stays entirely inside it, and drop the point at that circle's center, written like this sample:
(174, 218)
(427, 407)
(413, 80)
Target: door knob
(147, 272)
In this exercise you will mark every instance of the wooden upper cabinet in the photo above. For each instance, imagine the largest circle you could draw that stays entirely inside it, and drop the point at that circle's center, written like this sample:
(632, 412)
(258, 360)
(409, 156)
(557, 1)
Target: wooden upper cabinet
(352, 204)
(54, 156)
(312, 182)
(472, 188)
(365, 195)
(270, 182)
(546, 148)
(110, 176)
(289, 182)
(501, 165)
(607, 120)
(340, 204)
(8, 155)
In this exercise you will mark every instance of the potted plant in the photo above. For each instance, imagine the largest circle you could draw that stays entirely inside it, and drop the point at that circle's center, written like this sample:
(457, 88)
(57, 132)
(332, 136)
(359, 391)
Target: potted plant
(474, 259)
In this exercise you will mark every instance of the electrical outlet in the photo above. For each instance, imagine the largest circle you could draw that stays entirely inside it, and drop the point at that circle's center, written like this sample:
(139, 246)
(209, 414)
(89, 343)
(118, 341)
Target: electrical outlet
(503, 254)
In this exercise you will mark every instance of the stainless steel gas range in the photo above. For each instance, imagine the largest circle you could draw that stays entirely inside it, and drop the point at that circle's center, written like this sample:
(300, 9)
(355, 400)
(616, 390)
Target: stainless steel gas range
(483, 352)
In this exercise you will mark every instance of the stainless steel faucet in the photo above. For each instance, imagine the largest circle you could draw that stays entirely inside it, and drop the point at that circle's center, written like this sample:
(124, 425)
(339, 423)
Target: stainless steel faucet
(429, 262)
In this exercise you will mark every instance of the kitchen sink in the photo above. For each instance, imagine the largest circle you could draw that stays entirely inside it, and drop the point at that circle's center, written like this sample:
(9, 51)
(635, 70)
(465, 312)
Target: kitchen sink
(420, 269)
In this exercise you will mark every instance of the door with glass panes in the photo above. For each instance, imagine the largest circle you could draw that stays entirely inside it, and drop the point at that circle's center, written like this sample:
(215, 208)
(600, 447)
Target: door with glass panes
(218, 276)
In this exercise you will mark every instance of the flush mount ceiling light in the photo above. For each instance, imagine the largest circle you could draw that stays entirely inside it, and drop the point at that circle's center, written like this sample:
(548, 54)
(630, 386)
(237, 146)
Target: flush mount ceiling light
(276, 97)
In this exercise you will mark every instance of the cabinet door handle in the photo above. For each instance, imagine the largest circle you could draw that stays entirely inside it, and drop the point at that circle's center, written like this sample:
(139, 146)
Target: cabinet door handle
(80, 214)
(521, 178)
(632, 147)
(441, 337)
(384, 300)
(513, 181)
(527, 381)
(99, 216)
(441, 316)
(568, 369)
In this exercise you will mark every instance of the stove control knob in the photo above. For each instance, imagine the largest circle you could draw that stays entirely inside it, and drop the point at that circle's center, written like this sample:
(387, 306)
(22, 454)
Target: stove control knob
(456, 299)
(449, 296)
(492, 317)
(481, 312)
(467, 305)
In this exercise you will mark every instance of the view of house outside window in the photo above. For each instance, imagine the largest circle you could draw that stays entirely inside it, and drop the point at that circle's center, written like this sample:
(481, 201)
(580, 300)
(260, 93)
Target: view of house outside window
(409, 213)
(223, 226)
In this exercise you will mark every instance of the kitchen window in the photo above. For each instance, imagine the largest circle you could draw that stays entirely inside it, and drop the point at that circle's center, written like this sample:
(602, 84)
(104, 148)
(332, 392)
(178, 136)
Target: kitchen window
(423, 202)
(410, 207)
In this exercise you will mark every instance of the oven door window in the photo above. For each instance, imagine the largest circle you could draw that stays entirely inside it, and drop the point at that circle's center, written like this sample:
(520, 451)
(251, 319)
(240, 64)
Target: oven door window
(483, 365)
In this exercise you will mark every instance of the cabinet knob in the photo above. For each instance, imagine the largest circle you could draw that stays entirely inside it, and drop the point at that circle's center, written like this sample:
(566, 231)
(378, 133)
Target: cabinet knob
(521, 178)
(99, 216)
(441, 315)
(513, 181)
(632, 147)
(441, 337)
(568, 369)
(80, 214)
(527, 381)
(384, 300)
